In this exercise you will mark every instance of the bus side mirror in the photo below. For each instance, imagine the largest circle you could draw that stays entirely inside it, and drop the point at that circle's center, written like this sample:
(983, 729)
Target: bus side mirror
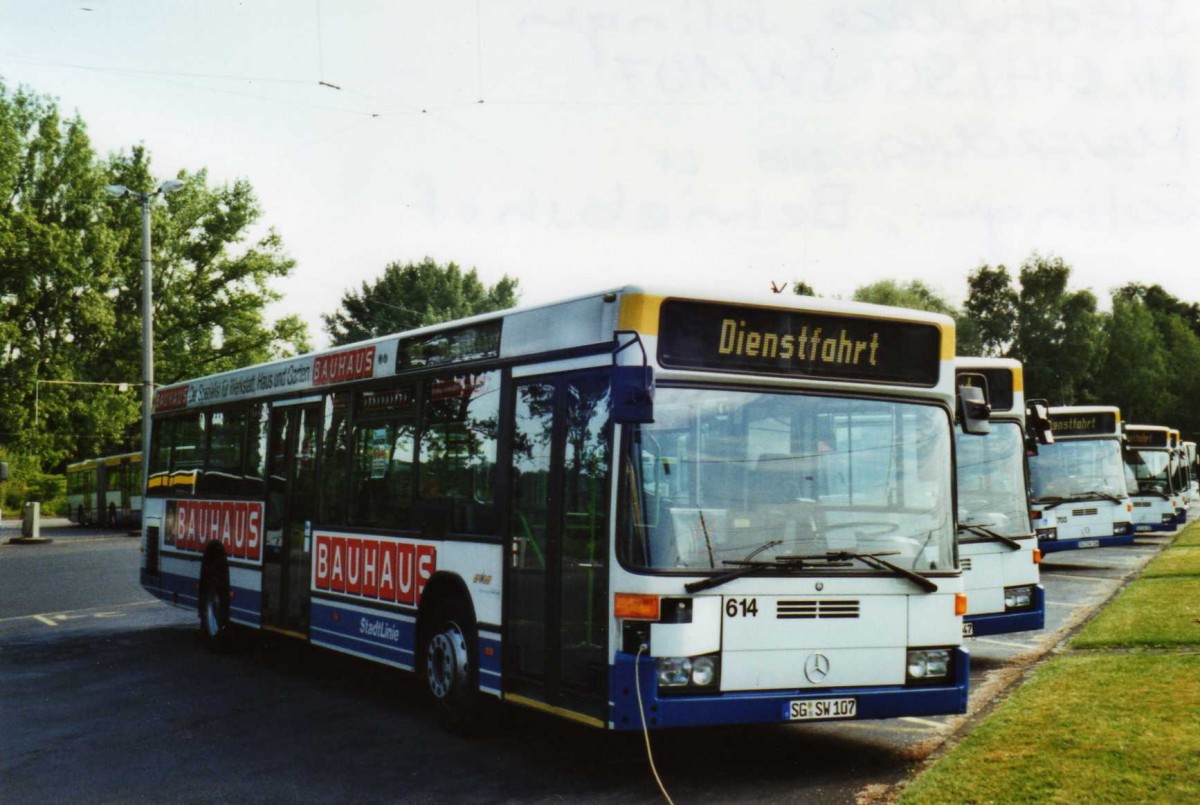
(633, 394)
(973, 411)
(3, 471)
(1037, 422)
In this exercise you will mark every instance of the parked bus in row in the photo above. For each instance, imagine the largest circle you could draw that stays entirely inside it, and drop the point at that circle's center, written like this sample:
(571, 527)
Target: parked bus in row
(997, 548)
(1155, 497)
(1080, 484)
(629, 509)
(1179, 477)
(1189, 460)
(106, 491)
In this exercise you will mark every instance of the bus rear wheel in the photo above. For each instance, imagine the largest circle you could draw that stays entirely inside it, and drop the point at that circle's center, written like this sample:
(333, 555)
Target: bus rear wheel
(214, 607)
(449, 664)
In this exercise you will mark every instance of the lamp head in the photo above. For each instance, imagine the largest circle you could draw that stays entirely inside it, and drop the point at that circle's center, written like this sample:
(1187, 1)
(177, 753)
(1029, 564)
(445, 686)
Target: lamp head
(117, 190)
(170, 186)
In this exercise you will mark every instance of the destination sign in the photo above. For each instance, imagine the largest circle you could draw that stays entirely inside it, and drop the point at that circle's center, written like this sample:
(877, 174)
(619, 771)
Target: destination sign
(1146, 438)
(1098, 423)
(741, 338)
(477, 343)
(999, 385)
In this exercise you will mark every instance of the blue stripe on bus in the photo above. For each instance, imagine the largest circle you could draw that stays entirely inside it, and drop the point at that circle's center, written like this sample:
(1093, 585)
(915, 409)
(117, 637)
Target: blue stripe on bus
(1053, 545)
(1028, 620)
(245, 606)
(770, 707)
(380, 634)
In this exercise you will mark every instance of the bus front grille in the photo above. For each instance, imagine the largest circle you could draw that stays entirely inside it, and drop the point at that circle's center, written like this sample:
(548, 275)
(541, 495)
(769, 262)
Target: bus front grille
(815, 608)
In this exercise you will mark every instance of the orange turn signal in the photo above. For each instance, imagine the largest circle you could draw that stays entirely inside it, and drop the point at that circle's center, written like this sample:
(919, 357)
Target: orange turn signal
(636, 606)
(960, 603)
(1037, 556)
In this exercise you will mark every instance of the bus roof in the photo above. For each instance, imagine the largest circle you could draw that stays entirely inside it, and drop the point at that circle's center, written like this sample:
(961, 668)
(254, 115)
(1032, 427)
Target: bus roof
(1006, 381)
(582, 322)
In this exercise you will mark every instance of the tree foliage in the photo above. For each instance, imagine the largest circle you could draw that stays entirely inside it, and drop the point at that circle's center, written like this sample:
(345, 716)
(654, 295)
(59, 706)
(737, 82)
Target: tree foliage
(70, 285)
(415, 295)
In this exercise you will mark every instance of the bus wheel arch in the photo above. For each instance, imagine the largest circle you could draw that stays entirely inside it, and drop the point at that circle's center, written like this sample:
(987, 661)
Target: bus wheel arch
(447, 647)
(213, 606)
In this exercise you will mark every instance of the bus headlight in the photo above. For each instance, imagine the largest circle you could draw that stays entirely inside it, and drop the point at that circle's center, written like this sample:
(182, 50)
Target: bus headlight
(928, 664)
(1122, 529)
(688, 672)
(1018, 597)
(1047, 534)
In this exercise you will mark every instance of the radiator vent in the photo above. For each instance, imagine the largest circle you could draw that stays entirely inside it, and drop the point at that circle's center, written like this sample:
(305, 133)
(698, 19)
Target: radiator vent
(821, 608)
(965, 564)
(1084, 512)
(1142, 504)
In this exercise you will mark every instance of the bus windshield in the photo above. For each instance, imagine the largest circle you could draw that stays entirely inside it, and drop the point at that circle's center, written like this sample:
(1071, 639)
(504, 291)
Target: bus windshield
(726, 476)
(1153, 474)
(1078, 468)
(991, 480)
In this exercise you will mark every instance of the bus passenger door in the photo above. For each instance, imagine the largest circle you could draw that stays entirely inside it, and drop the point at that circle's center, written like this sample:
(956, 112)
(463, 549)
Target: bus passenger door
(291, 509)
(556, 611)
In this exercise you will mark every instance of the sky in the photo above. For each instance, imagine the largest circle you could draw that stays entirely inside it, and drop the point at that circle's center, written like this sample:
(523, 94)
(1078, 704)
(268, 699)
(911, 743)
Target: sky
(701, 146)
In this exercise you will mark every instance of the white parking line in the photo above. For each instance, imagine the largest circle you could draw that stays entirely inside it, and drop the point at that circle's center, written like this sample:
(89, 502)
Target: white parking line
(923, 722)
(1081, 578)
(1004, 643)
(54, 618)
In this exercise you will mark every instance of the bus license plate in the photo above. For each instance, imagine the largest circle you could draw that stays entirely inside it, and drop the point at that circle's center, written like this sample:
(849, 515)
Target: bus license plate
(1142, 527)
(968, 630)
(810, 709)
(1089, 543)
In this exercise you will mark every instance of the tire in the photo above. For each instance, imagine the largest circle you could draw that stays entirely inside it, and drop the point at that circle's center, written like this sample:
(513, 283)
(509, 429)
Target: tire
(449, 662)
(215, 628)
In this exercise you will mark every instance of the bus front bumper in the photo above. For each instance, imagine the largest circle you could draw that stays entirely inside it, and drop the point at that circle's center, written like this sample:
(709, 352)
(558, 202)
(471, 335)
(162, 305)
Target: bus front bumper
(771, 707)
(1026, 620)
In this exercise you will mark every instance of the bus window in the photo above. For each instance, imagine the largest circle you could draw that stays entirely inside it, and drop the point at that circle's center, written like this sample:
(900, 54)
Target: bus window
(187, 453)
(335, 459)
(458, 455)
(382, 471)
(226, 440)
(254, 480)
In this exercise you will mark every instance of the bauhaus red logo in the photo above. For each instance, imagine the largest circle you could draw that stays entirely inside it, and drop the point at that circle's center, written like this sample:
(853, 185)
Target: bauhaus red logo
(352, 364)
(236, 525)
(373, 568)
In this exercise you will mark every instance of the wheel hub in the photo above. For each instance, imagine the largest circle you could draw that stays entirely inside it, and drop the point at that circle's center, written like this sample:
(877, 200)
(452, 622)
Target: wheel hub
(446, 663)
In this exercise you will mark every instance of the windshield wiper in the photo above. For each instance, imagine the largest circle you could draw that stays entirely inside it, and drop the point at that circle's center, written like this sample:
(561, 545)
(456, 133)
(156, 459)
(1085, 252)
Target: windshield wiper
(1051, 502)
(1149, 491)
(745, 567)
(874, 560)
(987, 533)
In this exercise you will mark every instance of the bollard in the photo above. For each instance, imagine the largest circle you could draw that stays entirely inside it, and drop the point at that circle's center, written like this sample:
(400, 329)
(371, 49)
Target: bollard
(31, 523)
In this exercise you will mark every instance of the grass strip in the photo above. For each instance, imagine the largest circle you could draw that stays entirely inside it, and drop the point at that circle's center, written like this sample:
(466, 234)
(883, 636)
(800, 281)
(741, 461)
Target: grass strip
(1174, 562)
(1150, 613)
(1086, 728)
(1189, 537)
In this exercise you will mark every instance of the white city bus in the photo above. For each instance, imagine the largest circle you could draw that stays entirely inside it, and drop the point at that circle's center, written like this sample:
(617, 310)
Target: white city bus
(1079, 484)
(1189, 459)
(1180, 478)
(1155, 498)
(633, 510)
(997, 547)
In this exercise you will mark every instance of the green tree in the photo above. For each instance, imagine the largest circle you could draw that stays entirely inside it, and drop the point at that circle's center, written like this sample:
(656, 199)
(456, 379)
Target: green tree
(70, 285)
(916, 295)
(991, 310)
(1058, 332)
(802, 288)
(415, 295)
(1134, 374)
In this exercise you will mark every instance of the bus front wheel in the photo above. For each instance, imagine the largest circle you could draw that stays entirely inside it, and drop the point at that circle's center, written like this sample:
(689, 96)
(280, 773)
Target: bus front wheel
(449, 663)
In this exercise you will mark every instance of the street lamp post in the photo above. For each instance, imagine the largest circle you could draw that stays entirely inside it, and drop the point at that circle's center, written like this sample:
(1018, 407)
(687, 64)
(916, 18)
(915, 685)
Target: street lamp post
(144, 199)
